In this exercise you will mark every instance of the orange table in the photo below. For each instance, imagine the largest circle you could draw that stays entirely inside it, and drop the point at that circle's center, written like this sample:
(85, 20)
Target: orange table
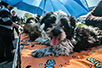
(85, 59)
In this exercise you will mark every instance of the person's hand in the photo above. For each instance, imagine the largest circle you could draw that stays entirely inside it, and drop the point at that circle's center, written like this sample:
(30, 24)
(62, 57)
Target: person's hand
(15, 25)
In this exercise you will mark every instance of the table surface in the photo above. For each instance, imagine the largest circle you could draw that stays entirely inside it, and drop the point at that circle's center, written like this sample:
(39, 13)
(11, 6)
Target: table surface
(85, 59)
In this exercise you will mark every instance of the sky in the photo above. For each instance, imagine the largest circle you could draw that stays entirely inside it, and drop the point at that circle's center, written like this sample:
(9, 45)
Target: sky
(91, 3)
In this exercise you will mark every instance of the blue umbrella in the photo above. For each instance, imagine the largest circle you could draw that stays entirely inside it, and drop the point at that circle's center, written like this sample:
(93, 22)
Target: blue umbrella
(71, 7)
(26, 5)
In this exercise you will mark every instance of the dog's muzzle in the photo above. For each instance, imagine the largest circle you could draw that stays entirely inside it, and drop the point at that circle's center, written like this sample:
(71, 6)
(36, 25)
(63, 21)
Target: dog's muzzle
(56, 31)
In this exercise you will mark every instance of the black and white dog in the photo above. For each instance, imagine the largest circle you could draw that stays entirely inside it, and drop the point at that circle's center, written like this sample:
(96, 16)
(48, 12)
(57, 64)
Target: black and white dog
(65, 36)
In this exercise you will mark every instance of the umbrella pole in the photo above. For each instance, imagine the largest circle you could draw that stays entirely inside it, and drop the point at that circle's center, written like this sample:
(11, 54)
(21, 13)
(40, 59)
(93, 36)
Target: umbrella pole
(87, 5)
(44, 6)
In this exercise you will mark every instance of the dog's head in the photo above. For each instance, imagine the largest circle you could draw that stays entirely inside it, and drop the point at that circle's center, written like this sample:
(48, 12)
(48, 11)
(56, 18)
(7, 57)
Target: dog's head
(35, 30)
(28, 24)
(48, 19)
(58, 26)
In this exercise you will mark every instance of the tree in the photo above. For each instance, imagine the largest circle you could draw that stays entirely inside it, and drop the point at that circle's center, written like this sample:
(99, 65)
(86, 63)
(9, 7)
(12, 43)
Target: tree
(28, 15)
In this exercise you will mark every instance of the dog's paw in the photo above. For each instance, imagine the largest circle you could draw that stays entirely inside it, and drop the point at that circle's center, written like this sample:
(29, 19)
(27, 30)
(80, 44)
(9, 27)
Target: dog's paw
(38, 53)
(43, 41)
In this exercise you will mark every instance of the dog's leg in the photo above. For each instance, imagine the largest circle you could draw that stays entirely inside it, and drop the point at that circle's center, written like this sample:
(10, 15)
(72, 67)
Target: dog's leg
(43, 52)
(43, 41)
(51, 51)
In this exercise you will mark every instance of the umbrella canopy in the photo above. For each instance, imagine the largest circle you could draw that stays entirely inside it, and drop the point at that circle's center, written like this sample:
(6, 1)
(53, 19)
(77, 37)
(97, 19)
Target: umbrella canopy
(25, 5)
(71, 7)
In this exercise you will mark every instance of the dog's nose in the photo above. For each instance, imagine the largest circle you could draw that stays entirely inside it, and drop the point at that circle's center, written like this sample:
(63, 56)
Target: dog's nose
(56, 31)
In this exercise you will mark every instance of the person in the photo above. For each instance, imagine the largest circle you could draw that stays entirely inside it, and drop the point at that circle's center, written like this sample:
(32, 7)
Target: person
(15, 19)
(1, 6)
(95, 16)
(6, 33)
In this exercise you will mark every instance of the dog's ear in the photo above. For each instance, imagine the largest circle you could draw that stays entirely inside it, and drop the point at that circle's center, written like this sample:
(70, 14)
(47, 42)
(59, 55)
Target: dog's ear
(42, 26)
(45, 17)
(72, 20)
(48, 19)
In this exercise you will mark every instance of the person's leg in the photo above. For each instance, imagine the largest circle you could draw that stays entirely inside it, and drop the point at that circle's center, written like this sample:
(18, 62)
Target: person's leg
(5, 49)
(2, 57)
(8, 49)
(7, 39)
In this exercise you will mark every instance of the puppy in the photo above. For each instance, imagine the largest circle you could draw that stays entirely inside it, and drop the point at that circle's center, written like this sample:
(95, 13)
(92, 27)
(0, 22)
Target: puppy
(35, 31)
(59, 28)
(29, 23)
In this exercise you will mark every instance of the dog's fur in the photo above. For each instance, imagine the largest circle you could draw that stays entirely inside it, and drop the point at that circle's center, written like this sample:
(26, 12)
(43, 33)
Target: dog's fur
(61, 28)
(35, 30)
(87, 37)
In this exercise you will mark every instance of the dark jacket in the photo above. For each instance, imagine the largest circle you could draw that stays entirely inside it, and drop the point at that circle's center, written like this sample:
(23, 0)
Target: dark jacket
(5, 17)
(6, 22)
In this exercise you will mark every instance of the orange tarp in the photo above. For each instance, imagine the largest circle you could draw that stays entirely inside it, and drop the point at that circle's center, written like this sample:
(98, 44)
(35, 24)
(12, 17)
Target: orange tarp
(85, 59)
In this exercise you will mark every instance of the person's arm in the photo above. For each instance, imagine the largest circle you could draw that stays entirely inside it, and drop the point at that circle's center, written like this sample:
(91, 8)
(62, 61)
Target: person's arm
(97, 11)
(95, 15)
(93, 18)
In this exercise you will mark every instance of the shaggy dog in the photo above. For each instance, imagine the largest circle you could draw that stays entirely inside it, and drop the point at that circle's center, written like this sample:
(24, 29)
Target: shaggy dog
(65, 36)
(60, 28)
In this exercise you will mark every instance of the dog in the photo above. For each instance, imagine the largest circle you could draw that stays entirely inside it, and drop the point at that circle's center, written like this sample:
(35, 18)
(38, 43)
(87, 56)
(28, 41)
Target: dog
(59, 28)
(35, 31)
(27, 25)
(65, 36)
(87, 37)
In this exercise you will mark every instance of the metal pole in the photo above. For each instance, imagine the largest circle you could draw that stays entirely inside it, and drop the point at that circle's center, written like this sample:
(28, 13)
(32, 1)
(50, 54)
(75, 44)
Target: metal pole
(87, 5)
(44, 7)
(16, 61)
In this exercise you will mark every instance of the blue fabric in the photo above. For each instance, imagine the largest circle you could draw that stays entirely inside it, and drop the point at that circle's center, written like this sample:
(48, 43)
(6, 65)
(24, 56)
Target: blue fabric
(76, 8)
